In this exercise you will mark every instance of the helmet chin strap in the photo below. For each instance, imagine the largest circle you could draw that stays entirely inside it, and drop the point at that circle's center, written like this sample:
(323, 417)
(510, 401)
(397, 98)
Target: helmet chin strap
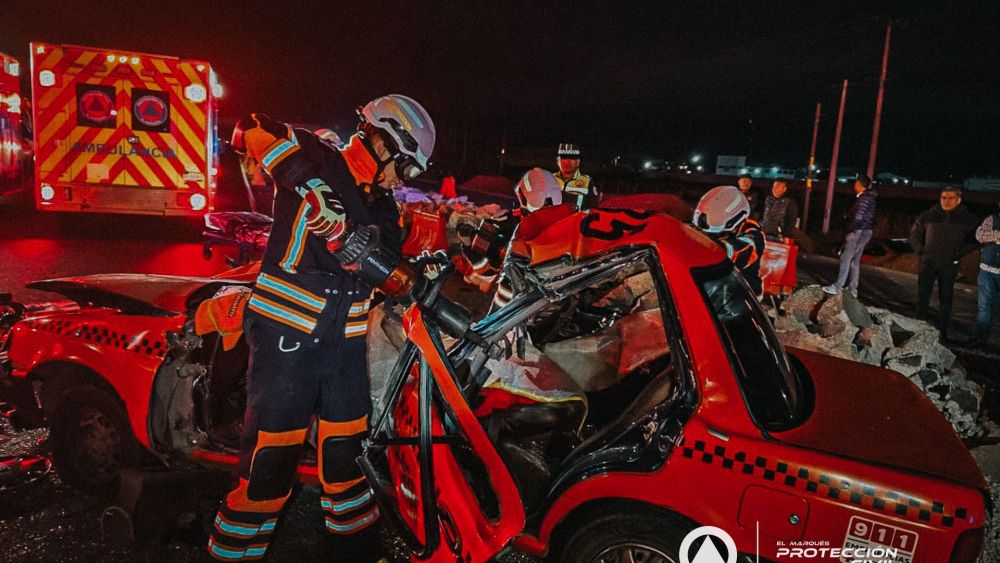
(380, 165)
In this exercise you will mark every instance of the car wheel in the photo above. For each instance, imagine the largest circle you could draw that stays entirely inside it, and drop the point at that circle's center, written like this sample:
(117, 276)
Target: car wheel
(91, 440)
(639, 537)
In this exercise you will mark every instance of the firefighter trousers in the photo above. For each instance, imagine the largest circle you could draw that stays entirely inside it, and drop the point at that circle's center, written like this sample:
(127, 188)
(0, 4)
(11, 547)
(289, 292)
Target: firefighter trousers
(287, 383)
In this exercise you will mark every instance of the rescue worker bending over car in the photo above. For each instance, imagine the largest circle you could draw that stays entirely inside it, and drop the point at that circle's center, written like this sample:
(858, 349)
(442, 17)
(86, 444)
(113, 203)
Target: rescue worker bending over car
(336, 236)
(723, 214)
(487, 249)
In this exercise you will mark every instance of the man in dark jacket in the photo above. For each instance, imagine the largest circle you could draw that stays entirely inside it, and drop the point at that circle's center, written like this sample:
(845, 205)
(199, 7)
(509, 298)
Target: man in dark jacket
(989, 276)
(781, 213)
(941, 236)
(860, 223)
(753, 195)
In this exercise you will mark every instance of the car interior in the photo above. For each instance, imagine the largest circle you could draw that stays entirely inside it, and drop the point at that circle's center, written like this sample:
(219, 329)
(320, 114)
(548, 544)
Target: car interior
(586, 369)
(577, 375)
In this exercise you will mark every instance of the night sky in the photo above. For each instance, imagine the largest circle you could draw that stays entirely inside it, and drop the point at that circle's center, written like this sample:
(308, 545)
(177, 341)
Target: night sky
(654, 79)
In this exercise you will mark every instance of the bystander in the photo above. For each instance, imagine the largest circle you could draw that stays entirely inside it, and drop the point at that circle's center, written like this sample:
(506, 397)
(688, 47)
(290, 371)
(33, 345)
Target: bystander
(781, 213)
(941, 236)
(989, 277)
(753, 195)
(860, 221)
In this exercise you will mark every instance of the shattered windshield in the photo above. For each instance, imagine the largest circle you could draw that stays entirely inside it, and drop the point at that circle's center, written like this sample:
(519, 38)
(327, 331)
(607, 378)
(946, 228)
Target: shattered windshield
(770, 385)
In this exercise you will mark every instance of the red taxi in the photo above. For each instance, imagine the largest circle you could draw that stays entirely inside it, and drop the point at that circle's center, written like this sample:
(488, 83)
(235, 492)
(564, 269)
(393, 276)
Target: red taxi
(632, 403)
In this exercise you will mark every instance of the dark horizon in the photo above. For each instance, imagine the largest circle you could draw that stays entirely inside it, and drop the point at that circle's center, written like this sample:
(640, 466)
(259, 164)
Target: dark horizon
(661, 81)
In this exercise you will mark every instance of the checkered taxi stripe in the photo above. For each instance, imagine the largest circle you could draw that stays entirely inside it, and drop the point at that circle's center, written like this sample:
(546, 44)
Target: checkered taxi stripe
(102, 335)
(820, 484)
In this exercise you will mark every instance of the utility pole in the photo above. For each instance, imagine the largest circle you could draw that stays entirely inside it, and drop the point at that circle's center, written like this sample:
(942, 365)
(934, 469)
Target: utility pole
(878, 102)
(812, 167)
(833, 161)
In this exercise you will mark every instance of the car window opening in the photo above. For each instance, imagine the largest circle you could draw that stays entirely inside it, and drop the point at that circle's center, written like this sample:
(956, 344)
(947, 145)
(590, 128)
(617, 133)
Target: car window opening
(773, 390)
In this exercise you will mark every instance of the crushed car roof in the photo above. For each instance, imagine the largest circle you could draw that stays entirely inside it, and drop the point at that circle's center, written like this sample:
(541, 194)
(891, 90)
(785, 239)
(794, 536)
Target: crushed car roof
(553, 232)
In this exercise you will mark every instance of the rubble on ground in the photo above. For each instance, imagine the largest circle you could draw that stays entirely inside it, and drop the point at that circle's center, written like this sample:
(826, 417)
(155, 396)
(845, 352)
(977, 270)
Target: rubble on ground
(842, 326)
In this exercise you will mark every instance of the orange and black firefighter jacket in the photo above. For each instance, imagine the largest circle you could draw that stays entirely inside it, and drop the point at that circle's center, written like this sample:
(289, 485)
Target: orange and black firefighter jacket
(744, 247)
(302, 287)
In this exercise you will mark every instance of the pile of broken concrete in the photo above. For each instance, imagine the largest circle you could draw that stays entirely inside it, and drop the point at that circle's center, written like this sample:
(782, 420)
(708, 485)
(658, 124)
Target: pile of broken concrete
(842, 326)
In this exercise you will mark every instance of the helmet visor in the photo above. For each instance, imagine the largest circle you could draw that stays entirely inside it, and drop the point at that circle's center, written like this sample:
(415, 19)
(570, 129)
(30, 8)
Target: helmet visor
(406, 166)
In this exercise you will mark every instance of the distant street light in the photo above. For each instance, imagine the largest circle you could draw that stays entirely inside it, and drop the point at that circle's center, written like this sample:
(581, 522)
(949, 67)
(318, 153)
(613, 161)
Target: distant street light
(695, 159)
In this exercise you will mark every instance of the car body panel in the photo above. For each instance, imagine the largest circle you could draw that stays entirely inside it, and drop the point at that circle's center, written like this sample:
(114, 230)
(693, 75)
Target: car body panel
(709, 480)
(148, 294)
(124, 350)
(877, 415)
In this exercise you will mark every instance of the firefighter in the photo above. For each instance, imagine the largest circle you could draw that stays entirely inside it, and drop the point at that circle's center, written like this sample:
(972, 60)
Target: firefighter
(578, 187)
(335, 236)
(486, 249)
(723, 213)
(536, 189)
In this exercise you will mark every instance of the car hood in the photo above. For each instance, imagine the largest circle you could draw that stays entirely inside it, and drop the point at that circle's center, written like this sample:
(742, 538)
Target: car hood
(878, 416)
(137, 294)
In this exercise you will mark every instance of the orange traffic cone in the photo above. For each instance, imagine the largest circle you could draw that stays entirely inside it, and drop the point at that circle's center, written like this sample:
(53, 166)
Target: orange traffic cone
(448, 187)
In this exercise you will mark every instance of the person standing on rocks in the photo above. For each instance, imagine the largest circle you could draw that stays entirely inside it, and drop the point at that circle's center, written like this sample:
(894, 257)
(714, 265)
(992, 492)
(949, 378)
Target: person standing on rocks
(941, 236)
(860, 222)
(989, 277)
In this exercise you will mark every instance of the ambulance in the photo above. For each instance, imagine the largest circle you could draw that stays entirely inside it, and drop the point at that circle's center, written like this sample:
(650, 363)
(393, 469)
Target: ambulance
(123, 132)
(13, 153)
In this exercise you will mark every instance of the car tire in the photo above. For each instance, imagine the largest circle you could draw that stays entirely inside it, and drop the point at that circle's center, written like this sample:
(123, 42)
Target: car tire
(647, 536)
(91, 440)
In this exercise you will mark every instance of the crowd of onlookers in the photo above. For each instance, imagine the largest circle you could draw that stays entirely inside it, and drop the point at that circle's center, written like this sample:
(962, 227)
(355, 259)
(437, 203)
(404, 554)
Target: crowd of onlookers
(941, 236)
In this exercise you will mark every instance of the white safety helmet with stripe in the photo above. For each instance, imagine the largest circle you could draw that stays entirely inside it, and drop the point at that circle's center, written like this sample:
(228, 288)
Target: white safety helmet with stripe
(721, 209)
(408, 126)
(538, 188)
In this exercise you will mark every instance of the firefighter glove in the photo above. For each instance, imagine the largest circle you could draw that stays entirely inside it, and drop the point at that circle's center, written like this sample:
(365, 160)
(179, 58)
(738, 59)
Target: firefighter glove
(326, 216)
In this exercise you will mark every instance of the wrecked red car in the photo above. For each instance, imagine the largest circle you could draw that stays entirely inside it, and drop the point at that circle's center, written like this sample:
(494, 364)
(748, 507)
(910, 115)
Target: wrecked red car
(632, 391)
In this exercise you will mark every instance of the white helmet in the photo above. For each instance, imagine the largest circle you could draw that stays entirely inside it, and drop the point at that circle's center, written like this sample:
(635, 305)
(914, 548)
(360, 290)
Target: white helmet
(538, 188)
(408, 125)
(721, 209)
